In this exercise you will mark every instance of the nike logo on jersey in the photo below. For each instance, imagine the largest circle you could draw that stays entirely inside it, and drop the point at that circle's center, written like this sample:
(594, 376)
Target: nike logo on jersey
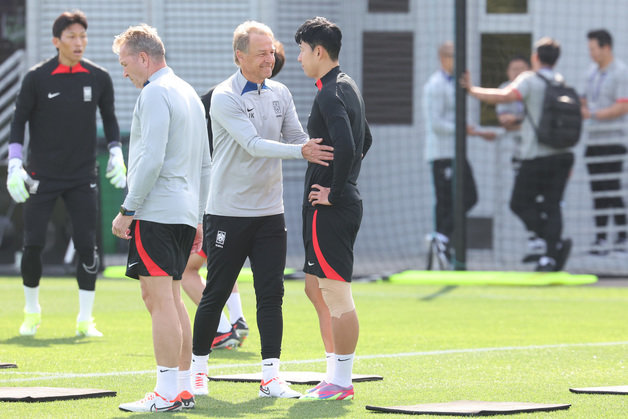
(92, 185)
(53, 95)
(310, 264)
(249, 110)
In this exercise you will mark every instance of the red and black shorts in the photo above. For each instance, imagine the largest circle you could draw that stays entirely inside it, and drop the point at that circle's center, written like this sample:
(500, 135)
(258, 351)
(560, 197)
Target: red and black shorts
(329, 233)
(157, 249)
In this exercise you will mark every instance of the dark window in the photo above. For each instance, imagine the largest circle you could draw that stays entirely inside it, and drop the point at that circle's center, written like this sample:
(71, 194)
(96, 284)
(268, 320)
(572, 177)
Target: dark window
(497, 50)
(389, 6)
(387, 76)
(12, 27)
(506, 6)
(479, 233)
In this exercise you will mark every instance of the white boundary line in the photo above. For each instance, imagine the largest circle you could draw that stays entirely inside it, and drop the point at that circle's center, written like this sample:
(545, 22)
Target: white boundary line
(43, 376)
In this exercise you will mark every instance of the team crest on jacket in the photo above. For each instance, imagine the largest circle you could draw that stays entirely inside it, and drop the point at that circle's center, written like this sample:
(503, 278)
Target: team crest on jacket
(277, 108)
(87, 93)
(220, 238)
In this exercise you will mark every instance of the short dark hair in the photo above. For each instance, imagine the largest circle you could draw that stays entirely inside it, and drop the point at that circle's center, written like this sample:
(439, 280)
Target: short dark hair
(66, 19)
(320, 31)
(548, 50)
(602, 36)
(280, 58)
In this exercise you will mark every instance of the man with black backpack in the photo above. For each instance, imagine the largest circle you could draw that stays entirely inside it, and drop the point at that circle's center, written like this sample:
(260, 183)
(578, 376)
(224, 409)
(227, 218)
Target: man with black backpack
(551, 127)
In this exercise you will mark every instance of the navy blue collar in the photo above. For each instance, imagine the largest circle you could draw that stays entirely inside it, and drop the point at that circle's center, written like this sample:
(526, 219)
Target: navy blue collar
(253, 87)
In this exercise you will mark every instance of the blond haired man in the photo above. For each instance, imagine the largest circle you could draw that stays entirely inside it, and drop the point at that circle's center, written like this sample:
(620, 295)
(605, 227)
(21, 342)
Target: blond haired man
(254, 125)
(162, 213)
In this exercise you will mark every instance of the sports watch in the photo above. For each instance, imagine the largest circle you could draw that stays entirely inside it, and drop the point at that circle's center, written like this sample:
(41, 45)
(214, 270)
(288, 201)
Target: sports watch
(125, 211)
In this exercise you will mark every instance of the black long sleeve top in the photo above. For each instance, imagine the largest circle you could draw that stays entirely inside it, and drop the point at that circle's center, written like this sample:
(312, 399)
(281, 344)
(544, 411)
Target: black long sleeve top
(59, 103)
(338, 117)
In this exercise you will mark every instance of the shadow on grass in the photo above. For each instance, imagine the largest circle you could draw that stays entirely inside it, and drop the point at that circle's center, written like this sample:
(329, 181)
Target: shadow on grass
(319, 409)
(31, 342)
(446, 289)
(267, 407)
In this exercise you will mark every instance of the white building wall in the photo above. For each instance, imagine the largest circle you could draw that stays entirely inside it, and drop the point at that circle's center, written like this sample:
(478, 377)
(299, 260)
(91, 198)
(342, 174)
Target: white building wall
(396, 183)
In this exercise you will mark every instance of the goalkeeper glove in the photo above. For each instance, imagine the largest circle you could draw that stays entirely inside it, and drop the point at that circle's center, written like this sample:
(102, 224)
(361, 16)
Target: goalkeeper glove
(116, 170)
(16, 181)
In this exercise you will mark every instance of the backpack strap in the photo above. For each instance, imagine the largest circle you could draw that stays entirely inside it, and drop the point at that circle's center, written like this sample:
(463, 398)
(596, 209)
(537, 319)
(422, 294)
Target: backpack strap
(525, 107)
(560, 80)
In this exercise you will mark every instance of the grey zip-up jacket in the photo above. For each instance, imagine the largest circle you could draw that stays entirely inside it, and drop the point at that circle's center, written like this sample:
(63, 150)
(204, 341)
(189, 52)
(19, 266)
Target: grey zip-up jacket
(254, 127)
(169, 163)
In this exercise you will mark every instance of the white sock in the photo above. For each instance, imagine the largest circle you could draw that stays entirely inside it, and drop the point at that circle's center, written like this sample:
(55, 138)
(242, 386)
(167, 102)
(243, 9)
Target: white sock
(342, 370)
(331, 362)
(442, 238)
(199, 364)
(185, 381)
(31, 298)
(224, 326)
(270, 368)
(234, 305)
(167, 382)
(86, 305)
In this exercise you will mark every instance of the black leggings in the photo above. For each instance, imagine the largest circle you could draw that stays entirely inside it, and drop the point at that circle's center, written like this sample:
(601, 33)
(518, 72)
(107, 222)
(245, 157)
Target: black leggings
(86, 268)
(443, 174)
(230, 240)
(81, 202)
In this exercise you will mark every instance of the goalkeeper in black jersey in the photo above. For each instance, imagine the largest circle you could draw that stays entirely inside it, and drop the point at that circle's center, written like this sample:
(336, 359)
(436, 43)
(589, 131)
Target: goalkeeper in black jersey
(59, 99)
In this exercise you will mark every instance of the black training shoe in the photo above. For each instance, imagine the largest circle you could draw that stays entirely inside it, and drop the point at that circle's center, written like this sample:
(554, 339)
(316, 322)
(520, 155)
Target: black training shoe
(564, 247)
(241, 327)
(228, 340)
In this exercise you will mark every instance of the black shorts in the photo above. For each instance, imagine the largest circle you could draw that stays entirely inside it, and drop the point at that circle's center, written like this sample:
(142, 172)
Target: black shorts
(81, 203)
(157, 249)
(328, 236)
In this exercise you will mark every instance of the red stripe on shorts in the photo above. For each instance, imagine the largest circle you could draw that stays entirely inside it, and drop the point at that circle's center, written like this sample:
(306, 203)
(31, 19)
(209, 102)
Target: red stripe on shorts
(151, 266)
(202, 254)
(329, 272)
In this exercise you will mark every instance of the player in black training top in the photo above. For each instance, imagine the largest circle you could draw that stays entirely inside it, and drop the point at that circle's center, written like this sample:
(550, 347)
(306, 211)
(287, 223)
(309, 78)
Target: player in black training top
(59, 99)
(332, 207)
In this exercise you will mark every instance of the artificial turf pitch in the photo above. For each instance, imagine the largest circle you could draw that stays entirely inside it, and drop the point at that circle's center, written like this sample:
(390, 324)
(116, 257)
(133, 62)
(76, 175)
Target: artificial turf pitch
(491, 343)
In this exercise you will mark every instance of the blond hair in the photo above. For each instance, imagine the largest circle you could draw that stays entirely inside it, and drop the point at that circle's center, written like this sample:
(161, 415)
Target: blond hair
(140, 38)
(242, 34)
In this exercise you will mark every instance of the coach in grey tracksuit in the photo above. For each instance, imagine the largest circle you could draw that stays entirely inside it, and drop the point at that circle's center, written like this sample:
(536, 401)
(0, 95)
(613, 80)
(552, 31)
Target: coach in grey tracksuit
(168, 179)
(255, 125)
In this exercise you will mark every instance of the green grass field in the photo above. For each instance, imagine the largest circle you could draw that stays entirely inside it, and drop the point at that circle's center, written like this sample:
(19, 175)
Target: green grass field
(429, 343)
